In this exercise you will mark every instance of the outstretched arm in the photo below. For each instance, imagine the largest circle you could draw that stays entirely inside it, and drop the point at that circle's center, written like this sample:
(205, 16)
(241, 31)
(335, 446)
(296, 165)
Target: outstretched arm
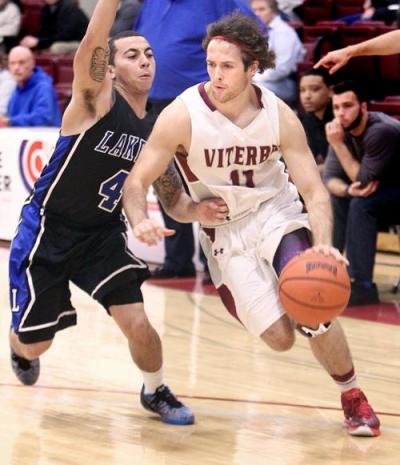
(385, 44)
(155, 166)
(91, 88)
(304, 173)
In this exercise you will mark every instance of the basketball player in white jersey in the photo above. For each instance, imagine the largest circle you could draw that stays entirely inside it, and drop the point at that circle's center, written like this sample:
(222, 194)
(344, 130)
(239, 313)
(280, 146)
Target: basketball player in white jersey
(228, 136)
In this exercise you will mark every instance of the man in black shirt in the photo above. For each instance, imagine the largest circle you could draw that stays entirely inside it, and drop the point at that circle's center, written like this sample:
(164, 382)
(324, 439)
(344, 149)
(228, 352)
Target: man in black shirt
(315, 97)
(362, 174)
(62, 26)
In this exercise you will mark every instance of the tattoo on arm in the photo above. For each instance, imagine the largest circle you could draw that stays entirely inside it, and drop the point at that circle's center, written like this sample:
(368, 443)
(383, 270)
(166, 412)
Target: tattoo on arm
(98, 64)
(168, 185)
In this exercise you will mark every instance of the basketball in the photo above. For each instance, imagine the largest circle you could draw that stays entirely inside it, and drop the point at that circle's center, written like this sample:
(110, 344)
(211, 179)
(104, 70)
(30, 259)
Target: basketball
(314, 288)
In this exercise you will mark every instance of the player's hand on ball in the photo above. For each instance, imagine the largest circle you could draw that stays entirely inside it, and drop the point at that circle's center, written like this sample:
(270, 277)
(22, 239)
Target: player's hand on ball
(151, 232)
(211, 211)
(328, 250)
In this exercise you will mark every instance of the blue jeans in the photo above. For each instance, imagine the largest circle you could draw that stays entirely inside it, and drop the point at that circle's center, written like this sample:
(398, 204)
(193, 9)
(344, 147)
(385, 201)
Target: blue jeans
(356, 223)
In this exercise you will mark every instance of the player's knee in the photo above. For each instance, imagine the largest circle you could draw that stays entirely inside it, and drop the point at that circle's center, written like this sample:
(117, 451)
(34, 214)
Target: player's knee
(280, 341)
(138, 326)
(282, 344)
(34, 350)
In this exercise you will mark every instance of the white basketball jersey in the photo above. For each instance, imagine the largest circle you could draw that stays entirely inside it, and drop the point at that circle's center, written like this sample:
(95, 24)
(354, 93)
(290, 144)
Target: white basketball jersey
(242, 166)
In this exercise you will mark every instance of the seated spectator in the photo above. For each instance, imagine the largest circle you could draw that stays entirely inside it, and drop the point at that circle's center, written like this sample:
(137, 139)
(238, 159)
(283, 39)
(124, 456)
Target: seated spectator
(34, 100)
(10, 21)
(126, 16)
(7, 86)
(284, 41)
(362, 174)
(62, 25)
(291, 8)
(374, 10)
(315, 96)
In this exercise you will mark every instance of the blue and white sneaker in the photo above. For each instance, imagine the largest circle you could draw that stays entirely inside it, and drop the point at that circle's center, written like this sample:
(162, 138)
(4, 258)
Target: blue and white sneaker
(167, 406)
(27, 371)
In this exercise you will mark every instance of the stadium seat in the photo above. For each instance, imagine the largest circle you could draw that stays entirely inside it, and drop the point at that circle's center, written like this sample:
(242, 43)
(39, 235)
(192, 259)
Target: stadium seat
(391, 108)
(317, 10)
(47, 63)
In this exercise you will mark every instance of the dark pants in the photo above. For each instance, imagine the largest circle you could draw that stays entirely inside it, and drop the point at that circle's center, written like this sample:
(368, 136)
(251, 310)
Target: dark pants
(179, 248)
(356, 223)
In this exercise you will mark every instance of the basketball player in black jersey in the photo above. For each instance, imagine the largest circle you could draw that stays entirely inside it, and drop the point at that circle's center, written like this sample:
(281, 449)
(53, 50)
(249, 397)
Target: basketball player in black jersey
(71, 227)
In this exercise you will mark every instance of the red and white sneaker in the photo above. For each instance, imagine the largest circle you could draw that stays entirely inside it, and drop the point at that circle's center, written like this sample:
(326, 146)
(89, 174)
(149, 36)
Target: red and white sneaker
(359, 416)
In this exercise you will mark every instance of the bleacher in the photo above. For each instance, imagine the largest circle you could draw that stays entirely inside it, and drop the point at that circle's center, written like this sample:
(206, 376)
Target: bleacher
(320, 32)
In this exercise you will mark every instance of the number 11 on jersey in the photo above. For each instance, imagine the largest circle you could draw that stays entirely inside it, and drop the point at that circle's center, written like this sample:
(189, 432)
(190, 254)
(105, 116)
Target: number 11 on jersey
(242, 178)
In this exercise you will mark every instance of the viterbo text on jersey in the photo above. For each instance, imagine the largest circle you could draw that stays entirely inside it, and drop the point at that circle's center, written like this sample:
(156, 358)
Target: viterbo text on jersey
(236, 155)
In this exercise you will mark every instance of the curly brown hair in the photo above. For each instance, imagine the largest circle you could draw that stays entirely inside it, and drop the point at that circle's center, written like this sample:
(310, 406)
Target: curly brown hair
(247, 34)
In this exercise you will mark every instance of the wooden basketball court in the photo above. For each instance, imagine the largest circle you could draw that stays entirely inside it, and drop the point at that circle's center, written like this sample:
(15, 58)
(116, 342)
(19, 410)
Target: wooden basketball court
(252, 406)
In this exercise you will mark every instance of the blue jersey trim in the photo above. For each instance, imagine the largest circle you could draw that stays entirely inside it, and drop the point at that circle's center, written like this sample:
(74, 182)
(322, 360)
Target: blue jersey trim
(28, 231)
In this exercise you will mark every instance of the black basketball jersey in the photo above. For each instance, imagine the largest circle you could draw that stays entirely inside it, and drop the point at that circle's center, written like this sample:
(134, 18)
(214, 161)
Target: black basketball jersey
(82, 183)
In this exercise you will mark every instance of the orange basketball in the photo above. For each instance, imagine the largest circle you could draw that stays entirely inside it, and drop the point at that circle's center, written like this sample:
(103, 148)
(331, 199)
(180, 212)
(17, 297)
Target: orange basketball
(314, 288)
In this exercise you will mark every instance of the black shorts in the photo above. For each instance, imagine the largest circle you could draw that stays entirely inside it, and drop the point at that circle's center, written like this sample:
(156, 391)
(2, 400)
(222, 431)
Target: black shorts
(44, 261)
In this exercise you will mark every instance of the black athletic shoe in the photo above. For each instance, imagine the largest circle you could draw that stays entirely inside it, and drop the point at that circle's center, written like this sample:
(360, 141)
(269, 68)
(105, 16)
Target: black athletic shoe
(167, 406)
(27, 371)
(361, 295)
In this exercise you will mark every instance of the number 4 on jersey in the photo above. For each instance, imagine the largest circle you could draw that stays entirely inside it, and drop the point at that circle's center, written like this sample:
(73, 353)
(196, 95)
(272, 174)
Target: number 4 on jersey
(111, 190)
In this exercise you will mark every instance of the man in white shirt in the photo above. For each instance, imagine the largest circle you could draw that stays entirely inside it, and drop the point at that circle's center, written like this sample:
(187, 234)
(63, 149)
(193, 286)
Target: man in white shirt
(10, 20)
(284, 41)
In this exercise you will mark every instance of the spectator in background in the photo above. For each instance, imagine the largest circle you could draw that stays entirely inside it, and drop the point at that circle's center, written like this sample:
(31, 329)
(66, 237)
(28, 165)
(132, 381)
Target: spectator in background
(175, 31)
(126, 16)
(374, 10)
(291, 8)
(362, 174)
(62, 25)
(284, 41)
(7, 86)
(315, 96)
(10, 21)
(34, 100)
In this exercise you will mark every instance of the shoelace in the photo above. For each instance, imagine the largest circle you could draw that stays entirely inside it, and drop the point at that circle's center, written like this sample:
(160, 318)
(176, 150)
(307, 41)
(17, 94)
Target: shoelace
(163, 394)
(359, 405)
(364, 409)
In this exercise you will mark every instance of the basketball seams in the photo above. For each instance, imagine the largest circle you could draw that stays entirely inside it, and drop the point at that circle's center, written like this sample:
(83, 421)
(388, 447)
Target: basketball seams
(310, 278)
(313, 307)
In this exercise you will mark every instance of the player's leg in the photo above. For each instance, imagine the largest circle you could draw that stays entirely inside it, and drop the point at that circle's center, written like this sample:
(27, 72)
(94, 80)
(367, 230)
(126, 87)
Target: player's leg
(246, 284)
(146, 351)
(114, 278)
(144, 342)
(39, 298)
(329, 346)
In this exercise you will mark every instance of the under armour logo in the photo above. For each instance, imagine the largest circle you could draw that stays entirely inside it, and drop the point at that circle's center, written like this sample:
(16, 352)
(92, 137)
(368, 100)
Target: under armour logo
(218, 251)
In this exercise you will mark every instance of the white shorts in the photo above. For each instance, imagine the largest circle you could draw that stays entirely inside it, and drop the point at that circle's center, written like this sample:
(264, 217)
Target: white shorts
(240, 257)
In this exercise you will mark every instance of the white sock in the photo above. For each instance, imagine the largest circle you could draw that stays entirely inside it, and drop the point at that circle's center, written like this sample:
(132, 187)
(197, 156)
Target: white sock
(152, 380)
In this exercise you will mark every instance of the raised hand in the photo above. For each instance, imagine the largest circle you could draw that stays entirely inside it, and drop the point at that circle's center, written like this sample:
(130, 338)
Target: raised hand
(334, 60)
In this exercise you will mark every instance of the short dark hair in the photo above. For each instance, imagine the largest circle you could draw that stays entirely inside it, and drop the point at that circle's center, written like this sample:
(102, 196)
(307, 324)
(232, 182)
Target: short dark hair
(273, 5)
(120, 35)
(247, 34)
(350, 86)
(323, 73)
